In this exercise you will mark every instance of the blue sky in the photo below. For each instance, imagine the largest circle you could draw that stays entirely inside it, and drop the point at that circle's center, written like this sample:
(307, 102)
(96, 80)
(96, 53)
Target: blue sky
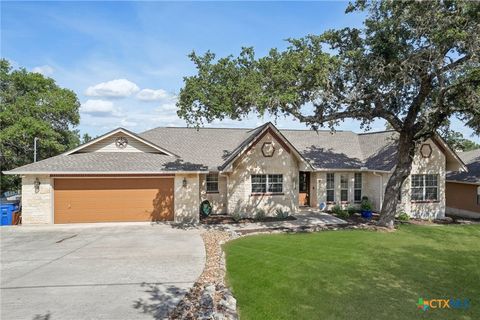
(126, 60)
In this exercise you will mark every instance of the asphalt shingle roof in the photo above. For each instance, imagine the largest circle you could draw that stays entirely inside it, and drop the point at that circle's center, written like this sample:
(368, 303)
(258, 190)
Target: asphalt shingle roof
(125, 162)
(210, 148)
(472, 160)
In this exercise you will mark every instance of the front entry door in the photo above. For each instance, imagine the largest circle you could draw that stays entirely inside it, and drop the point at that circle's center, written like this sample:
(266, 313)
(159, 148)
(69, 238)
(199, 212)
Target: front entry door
(304, 189)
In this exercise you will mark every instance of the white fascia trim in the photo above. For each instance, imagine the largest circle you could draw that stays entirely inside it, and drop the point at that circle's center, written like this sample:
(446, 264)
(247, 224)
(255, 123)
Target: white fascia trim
(464, 182)
(351, 170)
(102, 172)
(125, 132)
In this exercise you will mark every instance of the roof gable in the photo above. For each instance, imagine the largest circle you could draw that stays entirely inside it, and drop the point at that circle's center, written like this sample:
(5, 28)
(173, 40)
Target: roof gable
(255, 137)
(454, 163)
(120, 140)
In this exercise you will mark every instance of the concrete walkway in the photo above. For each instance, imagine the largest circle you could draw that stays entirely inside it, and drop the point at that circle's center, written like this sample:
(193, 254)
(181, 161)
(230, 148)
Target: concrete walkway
(308, 217)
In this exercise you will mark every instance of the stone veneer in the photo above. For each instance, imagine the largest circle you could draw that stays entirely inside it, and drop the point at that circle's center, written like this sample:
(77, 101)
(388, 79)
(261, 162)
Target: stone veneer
(187, 199)
(37, 206)
(240, 198)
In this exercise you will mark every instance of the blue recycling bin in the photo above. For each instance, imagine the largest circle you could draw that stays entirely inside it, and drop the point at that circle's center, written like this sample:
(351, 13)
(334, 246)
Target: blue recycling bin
(7, 208)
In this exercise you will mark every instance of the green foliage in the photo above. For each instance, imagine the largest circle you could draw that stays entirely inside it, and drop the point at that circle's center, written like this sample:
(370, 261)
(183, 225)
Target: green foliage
(351, 210)
(237, 216)
(413, 64)
(336, 209)
(260, 214)
(32, 105)
(339, 212)
(403, 216)
(343, 214)
(86, 138)
(282, 214)
(457, 142)
(366, 205)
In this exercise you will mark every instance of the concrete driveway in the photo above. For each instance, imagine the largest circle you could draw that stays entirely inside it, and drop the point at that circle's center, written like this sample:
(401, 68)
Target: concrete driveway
(97, 271)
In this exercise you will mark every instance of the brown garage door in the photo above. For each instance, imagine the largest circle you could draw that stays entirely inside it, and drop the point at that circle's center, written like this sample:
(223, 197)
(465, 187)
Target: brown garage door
(113, 199)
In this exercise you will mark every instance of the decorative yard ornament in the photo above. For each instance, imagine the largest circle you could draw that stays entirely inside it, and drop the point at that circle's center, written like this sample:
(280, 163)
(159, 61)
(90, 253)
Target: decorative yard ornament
(121, 142)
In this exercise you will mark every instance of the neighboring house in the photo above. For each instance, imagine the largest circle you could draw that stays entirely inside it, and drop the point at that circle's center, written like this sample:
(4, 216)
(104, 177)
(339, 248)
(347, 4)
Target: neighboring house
(463, 188)
(165, 173)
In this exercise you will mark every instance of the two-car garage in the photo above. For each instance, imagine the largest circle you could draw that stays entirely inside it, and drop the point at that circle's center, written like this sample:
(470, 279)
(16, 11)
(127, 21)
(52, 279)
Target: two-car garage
(106, 199)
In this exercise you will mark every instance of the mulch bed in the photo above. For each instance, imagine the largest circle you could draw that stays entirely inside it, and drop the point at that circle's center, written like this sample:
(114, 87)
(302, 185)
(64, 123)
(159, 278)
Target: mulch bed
(227, 219)
(356, 218)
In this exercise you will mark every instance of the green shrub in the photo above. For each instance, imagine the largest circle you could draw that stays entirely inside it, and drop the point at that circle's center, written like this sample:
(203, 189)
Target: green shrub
(237, 216)
(343, 214)
(281, 214)
(403, 216)
(351, 210)
(337, 209)
(366, 204)
(260, 215)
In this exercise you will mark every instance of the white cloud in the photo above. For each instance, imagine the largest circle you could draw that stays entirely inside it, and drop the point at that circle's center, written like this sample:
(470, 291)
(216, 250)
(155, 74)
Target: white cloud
(166, 108)
(127, 123)
(45, 70)
(113, 88)
(152, 95)
(99, 108)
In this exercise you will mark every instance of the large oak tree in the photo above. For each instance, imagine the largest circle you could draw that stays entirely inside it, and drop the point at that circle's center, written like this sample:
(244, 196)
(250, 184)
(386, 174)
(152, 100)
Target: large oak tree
(413, 64)
(33, 106)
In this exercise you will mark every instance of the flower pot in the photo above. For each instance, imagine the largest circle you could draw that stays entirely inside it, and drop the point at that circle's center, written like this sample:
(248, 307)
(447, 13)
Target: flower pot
(367, 214)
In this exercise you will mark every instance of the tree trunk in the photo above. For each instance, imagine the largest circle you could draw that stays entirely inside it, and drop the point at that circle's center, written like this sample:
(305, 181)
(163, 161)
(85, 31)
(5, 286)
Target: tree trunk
(405, 153)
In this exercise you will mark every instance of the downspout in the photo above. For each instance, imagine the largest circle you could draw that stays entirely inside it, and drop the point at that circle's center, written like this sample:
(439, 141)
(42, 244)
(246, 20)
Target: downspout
(381, 189)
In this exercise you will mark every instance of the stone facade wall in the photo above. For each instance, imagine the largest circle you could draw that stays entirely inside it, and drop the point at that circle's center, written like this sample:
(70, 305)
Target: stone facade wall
(435, 164)
(374, 184)
(187, 199)
(240, 197)
(219, 199)
(37, 207)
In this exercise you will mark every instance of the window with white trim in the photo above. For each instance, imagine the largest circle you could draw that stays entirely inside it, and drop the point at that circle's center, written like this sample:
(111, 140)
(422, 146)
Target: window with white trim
(424, 187)
(267, 183)
(212, 182)
(357, 187)
(330, 187)
(343, 188)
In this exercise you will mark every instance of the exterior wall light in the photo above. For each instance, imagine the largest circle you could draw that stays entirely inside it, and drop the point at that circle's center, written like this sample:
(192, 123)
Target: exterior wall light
(184, 183)
(36, 185)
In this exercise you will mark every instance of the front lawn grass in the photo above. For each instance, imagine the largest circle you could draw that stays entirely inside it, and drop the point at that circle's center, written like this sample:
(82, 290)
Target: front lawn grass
(356, 274)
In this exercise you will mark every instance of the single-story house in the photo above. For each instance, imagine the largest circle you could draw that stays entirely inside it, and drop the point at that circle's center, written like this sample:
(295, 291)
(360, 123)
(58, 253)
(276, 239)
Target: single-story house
(165, 173)
(463, 188)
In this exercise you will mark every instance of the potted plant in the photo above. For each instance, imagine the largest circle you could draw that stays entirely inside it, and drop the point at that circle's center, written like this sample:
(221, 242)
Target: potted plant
(366, 208)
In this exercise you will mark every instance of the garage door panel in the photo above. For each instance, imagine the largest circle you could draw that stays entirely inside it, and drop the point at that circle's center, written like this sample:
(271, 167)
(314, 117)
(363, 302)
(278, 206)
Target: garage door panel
(109, 200)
